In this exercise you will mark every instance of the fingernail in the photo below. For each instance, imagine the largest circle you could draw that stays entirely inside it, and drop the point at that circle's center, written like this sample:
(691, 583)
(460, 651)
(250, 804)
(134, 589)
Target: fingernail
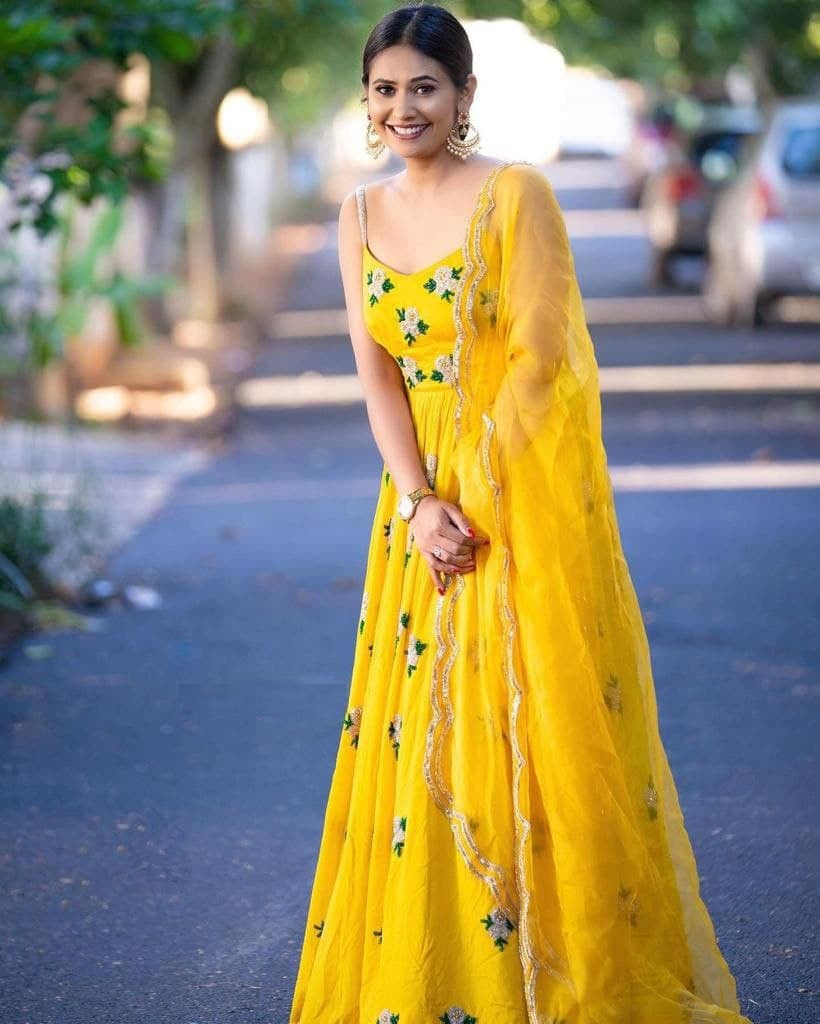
(441, 590)
(471, 531)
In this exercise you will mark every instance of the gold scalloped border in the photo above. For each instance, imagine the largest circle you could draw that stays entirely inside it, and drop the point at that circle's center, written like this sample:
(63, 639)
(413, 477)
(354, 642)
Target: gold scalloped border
(490, 873)
(474, 270)
(556, 966)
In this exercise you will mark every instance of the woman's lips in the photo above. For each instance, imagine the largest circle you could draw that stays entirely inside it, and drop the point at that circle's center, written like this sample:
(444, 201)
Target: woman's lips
(409, 135)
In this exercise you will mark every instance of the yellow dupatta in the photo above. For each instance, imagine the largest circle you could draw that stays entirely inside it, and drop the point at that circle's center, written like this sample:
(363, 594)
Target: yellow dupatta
(594, 867)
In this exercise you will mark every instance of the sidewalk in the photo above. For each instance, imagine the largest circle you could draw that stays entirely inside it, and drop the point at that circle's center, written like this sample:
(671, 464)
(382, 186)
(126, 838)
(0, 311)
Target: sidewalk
(99, 485)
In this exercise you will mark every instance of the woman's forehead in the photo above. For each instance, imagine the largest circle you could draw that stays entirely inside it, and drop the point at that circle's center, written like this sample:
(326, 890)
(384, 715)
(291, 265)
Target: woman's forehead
(403, 63)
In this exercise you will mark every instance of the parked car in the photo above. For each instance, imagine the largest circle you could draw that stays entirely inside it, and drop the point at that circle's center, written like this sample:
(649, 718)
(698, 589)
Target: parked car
(764, 239)
(679, 198)
(652, 140)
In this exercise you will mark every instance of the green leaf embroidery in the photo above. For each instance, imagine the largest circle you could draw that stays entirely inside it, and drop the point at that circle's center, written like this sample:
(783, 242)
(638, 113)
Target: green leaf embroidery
(399, 831)
(352, 723)
(499, 926)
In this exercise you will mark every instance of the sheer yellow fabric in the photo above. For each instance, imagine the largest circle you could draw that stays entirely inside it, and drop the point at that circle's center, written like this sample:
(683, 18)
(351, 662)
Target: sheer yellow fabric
(503, 841)
(623, 925)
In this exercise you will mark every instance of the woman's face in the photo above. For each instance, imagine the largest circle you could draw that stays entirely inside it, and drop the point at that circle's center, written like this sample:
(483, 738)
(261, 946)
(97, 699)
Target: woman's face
(408, 89)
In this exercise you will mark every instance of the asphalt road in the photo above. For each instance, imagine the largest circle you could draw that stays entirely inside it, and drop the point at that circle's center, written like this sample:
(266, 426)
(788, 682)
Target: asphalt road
(164, 778)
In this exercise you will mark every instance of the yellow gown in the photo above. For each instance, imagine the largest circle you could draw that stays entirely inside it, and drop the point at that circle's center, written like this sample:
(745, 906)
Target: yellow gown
(502, 841)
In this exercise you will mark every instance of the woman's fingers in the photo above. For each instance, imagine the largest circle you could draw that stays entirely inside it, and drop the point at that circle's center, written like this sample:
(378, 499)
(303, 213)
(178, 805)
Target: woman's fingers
(435, 578)
(450, 553)
(462, 524)
(442, 565)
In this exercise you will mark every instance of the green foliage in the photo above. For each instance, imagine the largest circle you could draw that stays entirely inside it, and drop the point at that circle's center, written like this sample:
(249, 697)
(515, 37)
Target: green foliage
(83, 273)
(59, 109)
(675, 43)
(83, 276)
(25, 542)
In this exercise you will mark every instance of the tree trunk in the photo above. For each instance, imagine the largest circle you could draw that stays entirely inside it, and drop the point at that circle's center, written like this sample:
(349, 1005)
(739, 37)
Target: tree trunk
(182, 232)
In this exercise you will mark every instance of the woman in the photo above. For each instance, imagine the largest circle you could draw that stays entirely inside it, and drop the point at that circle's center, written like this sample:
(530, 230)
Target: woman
(503, 842)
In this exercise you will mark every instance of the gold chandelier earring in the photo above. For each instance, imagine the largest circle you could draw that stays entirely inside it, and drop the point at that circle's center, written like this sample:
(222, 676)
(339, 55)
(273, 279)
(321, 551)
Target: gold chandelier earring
(457, 141)
(373, 144)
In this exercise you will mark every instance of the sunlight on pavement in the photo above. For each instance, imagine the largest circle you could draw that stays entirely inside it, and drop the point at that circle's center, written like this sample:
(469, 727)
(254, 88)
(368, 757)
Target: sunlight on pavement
(709, 476)
(712, 377)
(313, 388)
(646, 309)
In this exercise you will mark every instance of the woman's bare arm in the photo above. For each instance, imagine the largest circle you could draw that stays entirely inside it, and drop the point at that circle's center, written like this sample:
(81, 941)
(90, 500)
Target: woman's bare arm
(389, 413)
(379, 373)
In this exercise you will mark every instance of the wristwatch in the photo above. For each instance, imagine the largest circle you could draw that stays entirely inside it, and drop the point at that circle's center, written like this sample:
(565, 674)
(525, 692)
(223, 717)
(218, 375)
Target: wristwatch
(408, 502)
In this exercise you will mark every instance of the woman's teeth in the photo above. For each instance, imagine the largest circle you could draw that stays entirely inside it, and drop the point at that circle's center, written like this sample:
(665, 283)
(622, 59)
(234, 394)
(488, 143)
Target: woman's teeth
(407, 133)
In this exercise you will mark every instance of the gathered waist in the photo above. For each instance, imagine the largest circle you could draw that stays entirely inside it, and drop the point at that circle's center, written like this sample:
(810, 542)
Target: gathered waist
(426, 389)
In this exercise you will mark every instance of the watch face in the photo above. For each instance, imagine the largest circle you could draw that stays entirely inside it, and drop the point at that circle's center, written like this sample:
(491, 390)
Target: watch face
(405, 506)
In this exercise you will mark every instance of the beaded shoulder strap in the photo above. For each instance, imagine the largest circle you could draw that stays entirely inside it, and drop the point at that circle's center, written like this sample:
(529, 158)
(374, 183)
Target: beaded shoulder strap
(362, 212)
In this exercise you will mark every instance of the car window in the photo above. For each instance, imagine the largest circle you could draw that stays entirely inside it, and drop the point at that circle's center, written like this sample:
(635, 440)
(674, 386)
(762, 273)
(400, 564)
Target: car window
(801, 152)
(731, 143)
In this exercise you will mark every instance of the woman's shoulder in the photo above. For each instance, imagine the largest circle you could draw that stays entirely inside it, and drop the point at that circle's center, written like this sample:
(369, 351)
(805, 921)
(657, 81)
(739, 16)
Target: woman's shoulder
(521, 179)
(368, 190)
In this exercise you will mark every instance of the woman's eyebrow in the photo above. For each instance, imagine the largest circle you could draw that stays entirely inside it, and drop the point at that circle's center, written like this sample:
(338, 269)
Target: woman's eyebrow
(417, 78)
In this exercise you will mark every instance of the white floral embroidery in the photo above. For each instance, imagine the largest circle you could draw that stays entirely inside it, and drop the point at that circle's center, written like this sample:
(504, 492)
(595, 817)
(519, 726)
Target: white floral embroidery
(444, 282)
(444, 370)
(499, 926)
(404, 619)
(430, 465)
(378, 283)
(410, 368)
(363, 612)
(455, 1015)
(399, 832)
(411, 324)
(389, 530)
(413, 650)
(394, 732)
(489, 302)
(388, 1017)
(353, 722)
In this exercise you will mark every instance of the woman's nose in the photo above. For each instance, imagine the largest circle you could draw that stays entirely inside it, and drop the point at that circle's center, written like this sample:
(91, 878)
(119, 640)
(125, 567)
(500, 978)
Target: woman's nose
(404, 106)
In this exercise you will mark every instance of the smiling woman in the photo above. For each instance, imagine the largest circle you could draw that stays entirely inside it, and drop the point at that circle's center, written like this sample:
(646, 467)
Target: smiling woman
(502, 842)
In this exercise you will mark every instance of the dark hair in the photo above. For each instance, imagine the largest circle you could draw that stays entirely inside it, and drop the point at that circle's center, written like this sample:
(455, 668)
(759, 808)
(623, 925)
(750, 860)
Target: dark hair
(432, 30)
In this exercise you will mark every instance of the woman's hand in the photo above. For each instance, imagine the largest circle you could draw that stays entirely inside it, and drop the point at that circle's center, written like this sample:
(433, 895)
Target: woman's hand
(441, 525)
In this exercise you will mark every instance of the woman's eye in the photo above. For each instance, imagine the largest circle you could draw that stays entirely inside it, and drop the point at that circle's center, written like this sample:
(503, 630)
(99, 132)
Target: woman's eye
(383, 90)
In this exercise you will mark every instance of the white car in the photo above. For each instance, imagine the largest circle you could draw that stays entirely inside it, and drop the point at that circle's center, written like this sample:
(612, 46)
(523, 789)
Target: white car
(764, 235)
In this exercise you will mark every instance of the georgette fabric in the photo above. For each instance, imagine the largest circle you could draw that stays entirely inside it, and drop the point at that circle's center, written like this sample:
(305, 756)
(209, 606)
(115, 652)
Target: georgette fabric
(503, 841)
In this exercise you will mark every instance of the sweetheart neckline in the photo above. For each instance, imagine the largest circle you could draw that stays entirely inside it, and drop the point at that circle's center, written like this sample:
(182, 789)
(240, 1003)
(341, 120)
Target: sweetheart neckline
(412, 273)
(488, 179)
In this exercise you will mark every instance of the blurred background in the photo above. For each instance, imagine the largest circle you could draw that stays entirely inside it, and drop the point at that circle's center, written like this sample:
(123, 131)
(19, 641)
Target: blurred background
(187, 476)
